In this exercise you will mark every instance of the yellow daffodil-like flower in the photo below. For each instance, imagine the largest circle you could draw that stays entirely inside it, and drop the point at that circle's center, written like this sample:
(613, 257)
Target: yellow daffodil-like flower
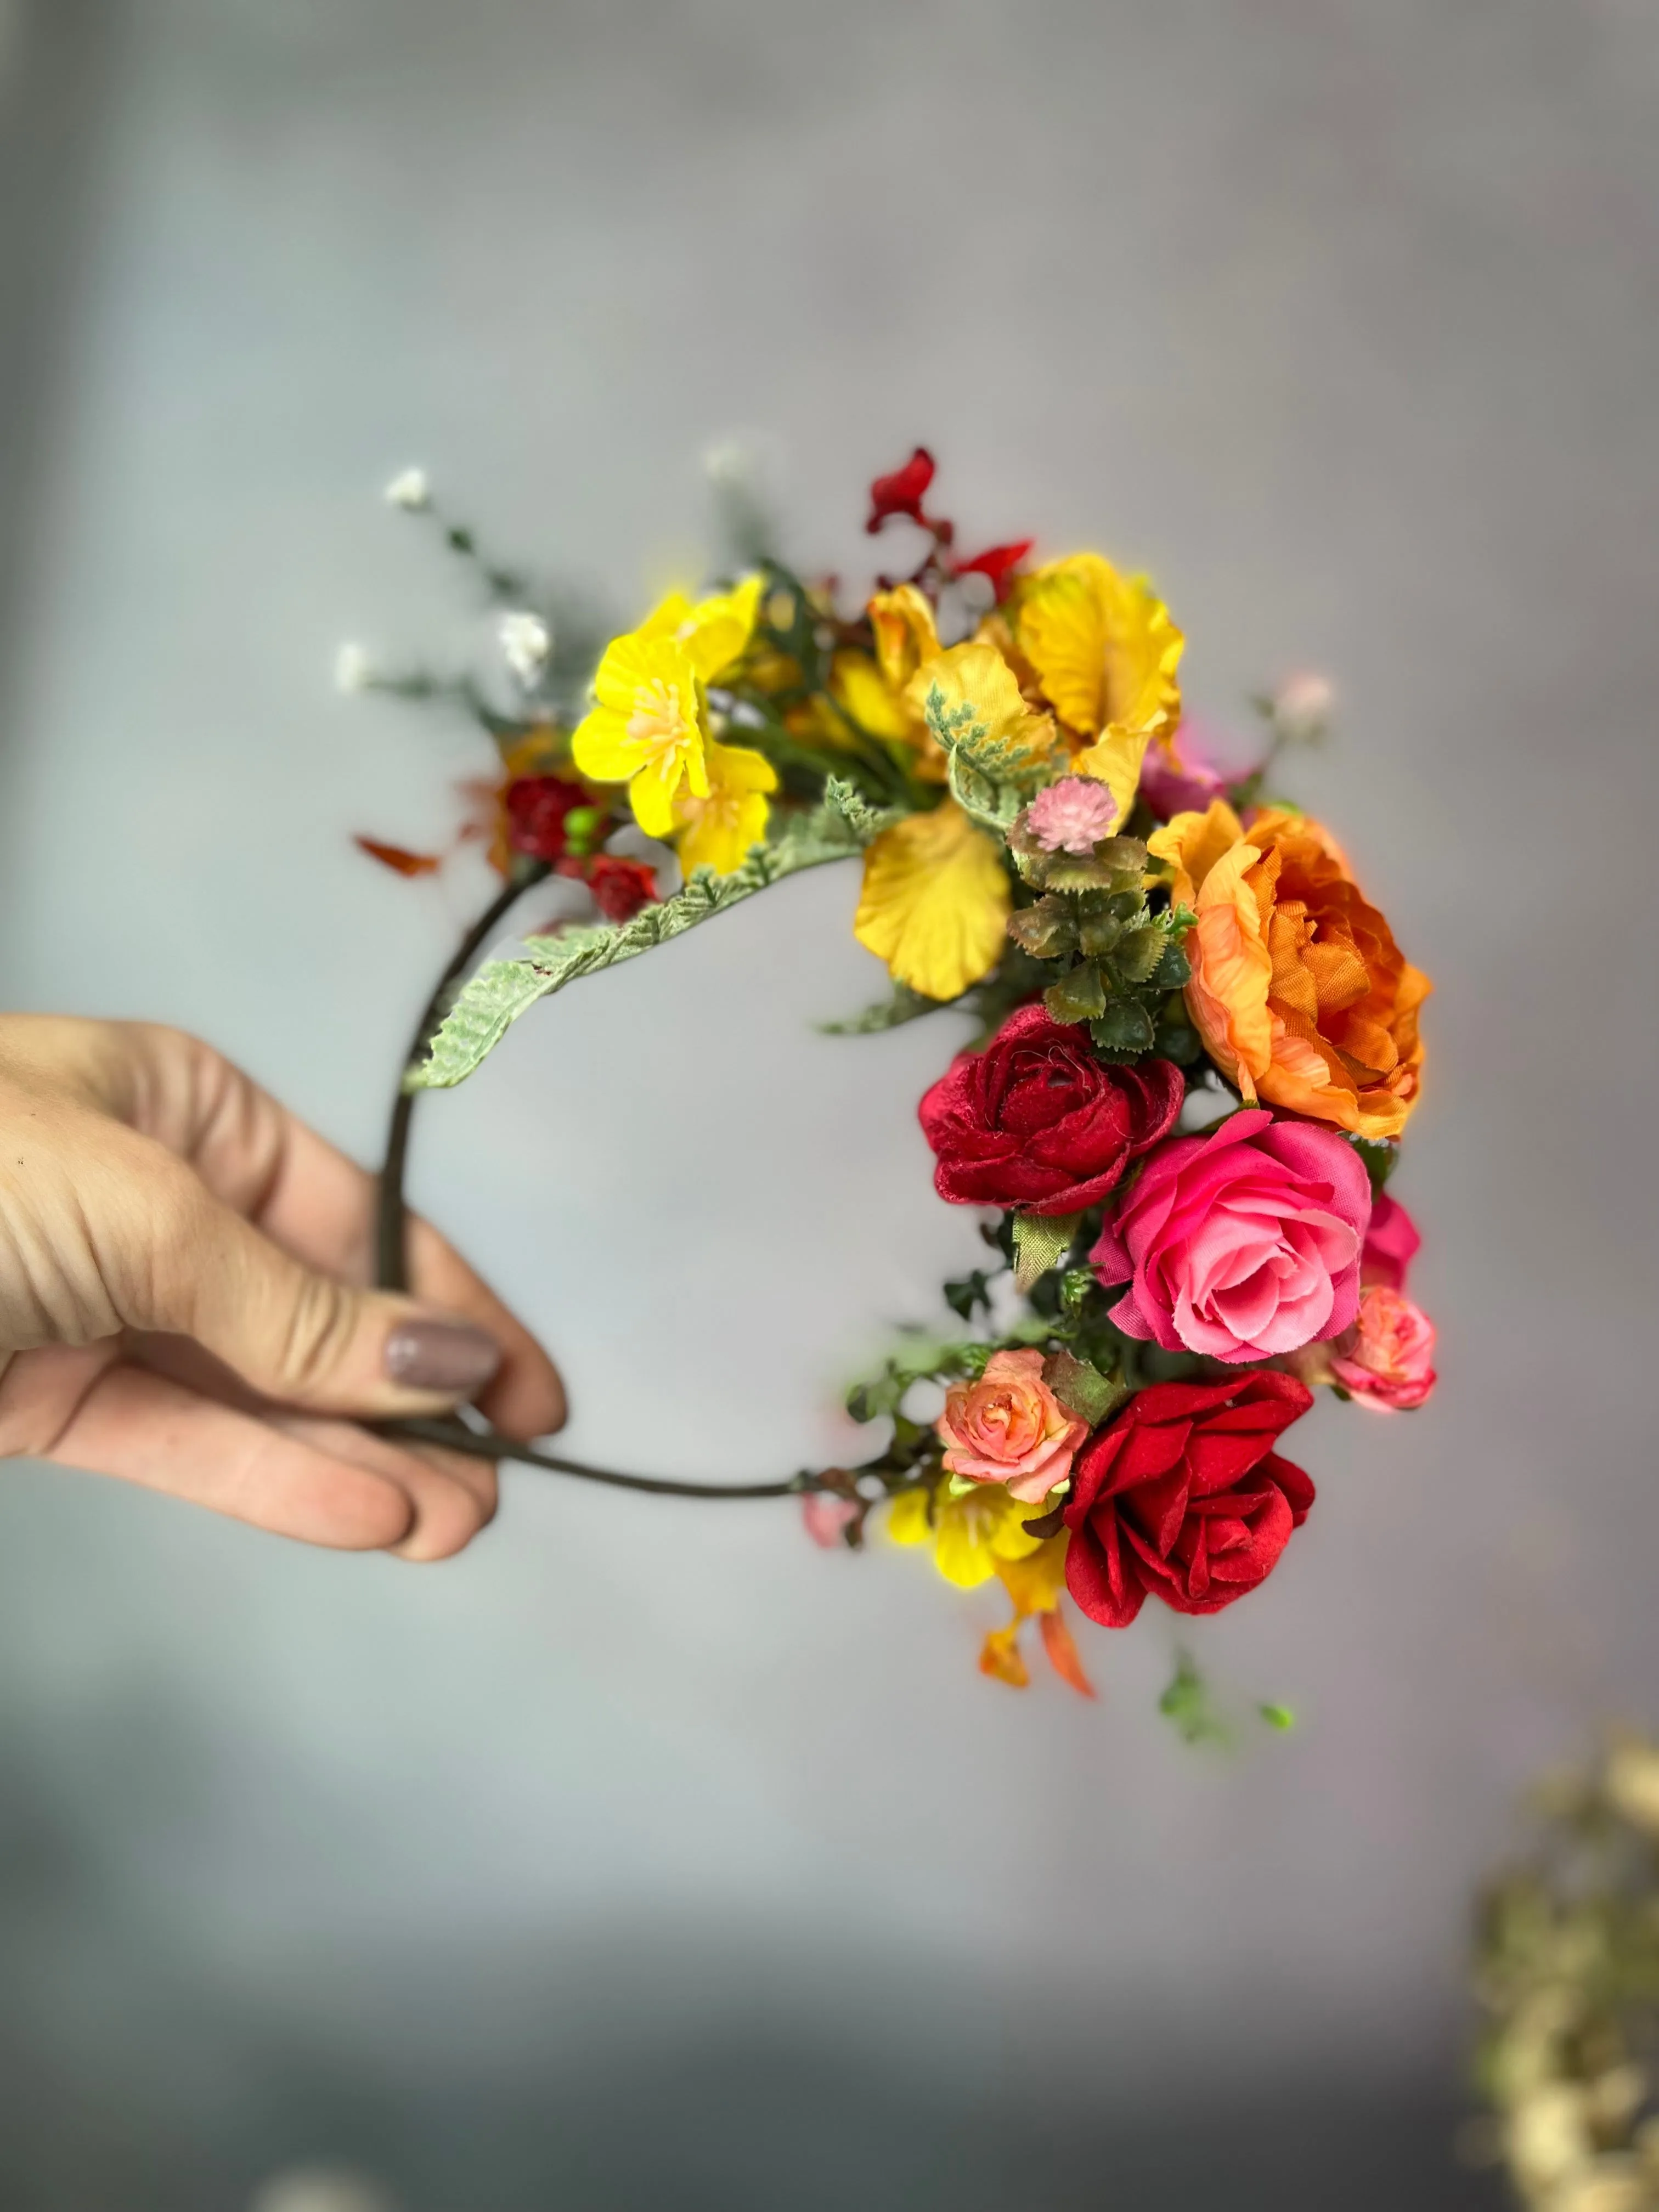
(871, 691)
(1104, 651)
(935, 901)
(1036, 1584)
(859, 689)
(649, 728)
(714, 631)
(906, 636)
(718, 831)
(972, 702)
(973, 1536)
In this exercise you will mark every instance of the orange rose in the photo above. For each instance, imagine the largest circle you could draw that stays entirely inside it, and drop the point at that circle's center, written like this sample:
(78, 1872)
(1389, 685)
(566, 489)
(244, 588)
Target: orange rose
(1298, 990)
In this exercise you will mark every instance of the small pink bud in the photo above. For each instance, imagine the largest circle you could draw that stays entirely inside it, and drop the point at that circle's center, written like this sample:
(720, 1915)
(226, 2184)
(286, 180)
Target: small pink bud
(1071, 816)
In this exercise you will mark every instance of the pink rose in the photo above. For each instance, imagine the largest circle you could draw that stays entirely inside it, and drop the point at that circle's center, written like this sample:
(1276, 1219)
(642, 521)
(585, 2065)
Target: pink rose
(1386, 1360)
(1391, 1243)
(1009, 1427)
(1242, 1244)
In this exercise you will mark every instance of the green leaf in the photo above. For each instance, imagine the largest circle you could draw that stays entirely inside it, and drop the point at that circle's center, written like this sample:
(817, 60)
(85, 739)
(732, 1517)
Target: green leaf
(967, 1293)
(502, 990)
(1077, 997)
(904, 1005)
(1124, 1027)
(1081, 1387)
(1174, 969)
(1186, 1703)
(1046, 931)
(1040, 1239)
(1278, 1717)
(1138, 953)
(1098, 928)
(1381, 1157)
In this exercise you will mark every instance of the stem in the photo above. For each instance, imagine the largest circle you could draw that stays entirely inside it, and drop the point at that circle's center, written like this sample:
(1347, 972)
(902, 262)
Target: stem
(391, 1263)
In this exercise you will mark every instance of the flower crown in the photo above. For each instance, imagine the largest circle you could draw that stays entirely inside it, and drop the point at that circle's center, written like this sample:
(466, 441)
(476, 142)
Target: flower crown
(1198, 1042)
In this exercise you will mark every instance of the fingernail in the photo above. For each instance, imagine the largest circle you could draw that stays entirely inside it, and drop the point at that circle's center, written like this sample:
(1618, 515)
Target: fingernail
(441, 1355)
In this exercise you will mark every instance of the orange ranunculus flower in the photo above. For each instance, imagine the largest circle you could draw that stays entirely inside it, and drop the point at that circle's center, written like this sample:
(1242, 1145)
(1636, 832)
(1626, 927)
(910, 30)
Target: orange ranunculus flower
(1299, 992)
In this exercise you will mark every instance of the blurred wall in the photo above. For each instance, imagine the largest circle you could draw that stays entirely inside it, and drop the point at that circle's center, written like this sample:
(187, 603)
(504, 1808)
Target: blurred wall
(647, 1854)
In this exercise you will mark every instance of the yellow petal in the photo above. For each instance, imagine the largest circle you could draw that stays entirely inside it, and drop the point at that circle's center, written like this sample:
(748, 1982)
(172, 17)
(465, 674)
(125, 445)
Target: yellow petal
(717, 831)
(857, 684)
(600, 747)
(714, 631)
(906, 636)
(634, 663)
(907, 1518)
(1192, 844)
(935, 901)
(978, 1533)
(1036, 1581)
(971, 700)
(1000, 1656)
(1114, 760)
(1103, 647)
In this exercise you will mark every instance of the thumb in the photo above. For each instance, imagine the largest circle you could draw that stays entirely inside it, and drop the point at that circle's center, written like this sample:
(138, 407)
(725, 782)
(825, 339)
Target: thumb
(293, 1334)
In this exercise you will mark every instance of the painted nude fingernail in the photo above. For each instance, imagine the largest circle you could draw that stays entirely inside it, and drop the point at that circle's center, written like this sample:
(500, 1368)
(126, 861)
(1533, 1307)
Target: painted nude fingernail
(447, 1356)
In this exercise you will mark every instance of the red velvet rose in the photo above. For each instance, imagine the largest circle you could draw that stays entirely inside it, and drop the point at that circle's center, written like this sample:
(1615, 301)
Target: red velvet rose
(1037, 1122)
(1185, 1496)
(620, 886)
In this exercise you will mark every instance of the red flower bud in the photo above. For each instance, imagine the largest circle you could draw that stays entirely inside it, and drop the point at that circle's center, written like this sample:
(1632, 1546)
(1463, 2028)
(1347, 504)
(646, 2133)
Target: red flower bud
(903, 492)
(620, 887)
(537, 806)
(997, 564)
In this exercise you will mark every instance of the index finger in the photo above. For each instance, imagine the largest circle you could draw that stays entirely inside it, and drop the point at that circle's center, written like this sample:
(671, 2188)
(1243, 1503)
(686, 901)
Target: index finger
(308, 1198)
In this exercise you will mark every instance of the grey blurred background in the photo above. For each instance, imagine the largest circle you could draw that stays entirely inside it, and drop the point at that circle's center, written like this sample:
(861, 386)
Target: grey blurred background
(647, 1856)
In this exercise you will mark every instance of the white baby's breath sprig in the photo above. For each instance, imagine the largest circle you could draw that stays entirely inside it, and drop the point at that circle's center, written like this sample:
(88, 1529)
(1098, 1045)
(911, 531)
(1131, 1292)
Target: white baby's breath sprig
(526, 643)
(354, 670)
(409, 490)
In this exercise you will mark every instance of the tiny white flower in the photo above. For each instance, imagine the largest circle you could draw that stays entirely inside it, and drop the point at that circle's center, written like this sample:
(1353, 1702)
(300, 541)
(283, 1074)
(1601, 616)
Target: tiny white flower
(526, 643)
(410, 491)
(353, 669)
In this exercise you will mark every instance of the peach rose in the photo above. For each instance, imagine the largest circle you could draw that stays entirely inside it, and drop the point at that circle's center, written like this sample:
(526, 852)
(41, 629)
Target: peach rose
(1386, 1360)
(1298, 990)
(1009, 1427)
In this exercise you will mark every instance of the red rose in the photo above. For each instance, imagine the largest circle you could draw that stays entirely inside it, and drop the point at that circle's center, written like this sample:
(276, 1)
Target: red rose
(1185, 1496)
(903, 492)
(536, 809)
(1037, 1122)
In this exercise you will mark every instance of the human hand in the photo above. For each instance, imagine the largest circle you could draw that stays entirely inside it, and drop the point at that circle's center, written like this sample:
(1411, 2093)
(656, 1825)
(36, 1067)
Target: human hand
(183, 1302)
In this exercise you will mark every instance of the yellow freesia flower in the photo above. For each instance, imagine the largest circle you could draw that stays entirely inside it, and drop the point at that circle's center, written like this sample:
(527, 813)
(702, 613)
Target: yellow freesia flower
(906, 636)
(935, 901)
(973, 1536)
(971, 692)
(649, 728)
(858, 686)
(714, 631)
(717, 832)
(1104, 651)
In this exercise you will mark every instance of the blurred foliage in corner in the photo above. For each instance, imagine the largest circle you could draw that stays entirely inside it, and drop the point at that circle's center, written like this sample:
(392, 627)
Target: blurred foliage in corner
(1567, 1969)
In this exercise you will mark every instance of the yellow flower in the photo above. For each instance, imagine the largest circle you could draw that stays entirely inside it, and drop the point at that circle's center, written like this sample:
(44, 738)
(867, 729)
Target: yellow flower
(971, 692)
(858, 686)
(935, 901)
(1104, 651)
(714, 631)
(716, 832)
(649, 728)
(906, 636)
(973, 1537)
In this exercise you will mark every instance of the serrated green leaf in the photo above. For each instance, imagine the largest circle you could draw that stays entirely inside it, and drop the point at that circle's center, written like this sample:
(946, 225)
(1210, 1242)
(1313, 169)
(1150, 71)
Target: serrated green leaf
(904, 1005)
(503, 990)
(1138, 953)
(1381, 1157)
(1077, 997)
(1174, 971)
(1046, 930)
(1125, 1026)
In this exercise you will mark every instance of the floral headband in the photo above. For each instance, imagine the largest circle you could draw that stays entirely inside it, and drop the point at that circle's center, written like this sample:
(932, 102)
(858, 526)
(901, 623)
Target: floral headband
(1197, 1043)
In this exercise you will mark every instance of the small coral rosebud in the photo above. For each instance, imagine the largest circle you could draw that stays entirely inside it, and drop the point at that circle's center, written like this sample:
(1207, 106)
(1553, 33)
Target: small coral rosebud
(1071, 816)
(1303, 707)
(409, 490)
(526, 643)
